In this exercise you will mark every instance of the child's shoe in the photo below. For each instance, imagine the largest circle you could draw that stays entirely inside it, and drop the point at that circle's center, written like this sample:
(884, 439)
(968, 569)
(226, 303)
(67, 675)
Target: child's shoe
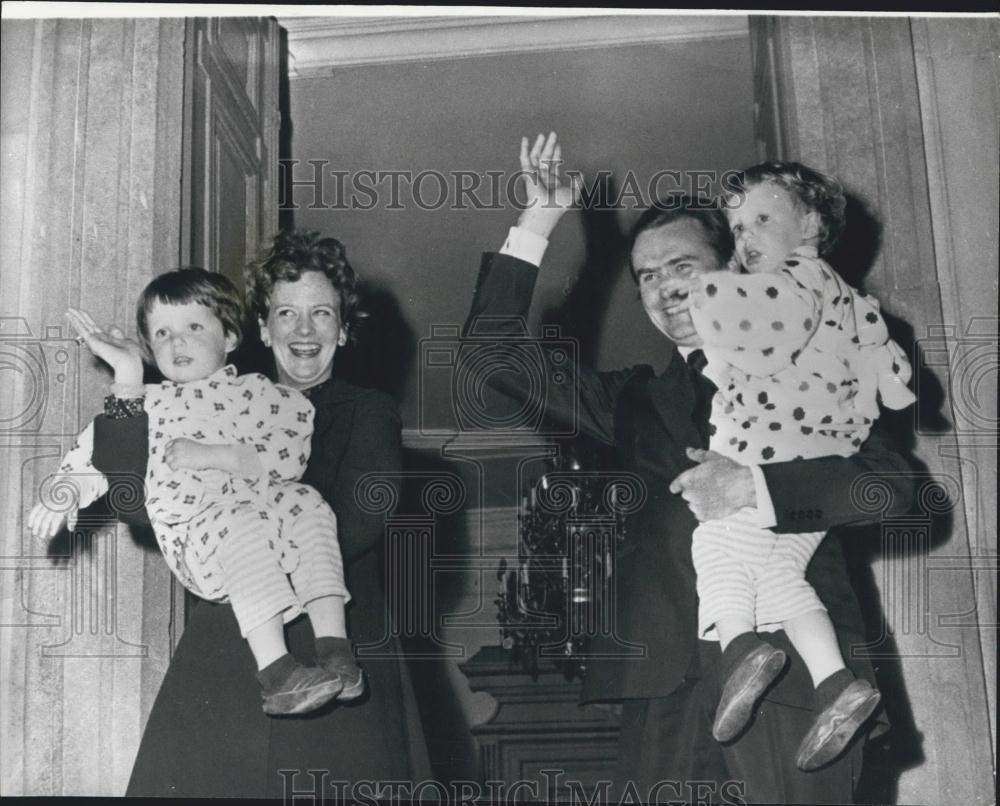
(291, 688)
(747, 681)
(336, 655)
(837, 724)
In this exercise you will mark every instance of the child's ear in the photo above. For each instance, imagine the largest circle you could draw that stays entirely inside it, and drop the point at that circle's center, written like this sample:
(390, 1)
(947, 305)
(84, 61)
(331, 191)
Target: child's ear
(232, 341)
(265, 337)
(811, 226)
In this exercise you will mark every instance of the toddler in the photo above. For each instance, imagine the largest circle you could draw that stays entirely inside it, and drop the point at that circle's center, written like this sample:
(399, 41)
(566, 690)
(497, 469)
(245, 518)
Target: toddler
(225, 452)
(798, 358)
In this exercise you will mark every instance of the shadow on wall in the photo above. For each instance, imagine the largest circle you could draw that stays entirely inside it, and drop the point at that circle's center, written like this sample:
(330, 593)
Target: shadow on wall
(901, 749)
(583, 312)
(382, 352)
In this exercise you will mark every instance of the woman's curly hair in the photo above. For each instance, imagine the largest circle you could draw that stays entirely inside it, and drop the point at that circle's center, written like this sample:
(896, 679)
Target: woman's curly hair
(292, 253)
(813, 190)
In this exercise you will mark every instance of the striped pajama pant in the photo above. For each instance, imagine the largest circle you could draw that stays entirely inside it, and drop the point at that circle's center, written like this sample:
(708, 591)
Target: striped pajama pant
(753, 573)
(277, 560)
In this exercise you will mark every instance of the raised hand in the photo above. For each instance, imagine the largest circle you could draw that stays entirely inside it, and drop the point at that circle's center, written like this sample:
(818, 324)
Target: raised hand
(112, 346)
(547, 194)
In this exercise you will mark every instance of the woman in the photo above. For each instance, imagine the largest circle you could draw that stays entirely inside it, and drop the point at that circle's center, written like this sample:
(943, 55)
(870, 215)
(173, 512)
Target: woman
(206, 735)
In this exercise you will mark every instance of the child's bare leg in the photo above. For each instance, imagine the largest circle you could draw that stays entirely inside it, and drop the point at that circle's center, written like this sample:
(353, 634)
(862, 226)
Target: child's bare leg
(334, 652)
(813, 636)
(327, 616)
(729, 627)
(260, 594)
(843, 702)
(267, 642)
(319, 583)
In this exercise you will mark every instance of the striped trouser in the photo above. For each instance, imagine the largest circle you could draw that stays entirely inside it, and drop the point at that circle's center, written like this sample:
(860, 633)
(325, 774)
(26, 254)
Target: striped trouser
(279, 564)
(750, 572)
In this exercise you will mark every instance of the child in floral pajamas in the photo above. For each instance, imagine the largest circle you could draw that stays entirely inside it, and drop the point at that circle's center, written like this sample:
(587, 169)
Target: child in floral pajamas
(799, 359)
(225, 452)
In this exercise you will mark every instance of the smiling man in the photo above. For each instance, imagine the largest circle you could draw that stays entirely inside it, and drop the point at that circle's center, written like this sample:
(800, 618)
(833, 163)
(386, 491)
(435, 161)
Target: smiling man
(659, 425)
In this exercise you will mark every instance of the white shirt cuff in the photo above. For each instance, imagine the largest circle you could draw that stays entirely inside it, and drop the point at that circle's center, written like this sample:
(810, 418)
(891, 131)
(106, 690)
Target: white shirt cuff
(525, 245)
(766, 518)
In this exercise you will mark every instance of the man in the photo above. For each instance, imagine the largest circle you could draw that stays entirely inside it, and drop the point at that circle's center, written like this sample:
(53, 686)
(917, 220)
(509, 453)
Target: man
(659, 427)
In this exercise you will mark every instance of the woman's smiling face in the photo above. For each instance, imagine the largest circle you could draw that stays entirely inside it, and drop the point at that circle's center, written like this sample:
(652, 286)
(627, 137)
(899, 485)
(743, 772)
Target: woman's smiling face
(303, 329)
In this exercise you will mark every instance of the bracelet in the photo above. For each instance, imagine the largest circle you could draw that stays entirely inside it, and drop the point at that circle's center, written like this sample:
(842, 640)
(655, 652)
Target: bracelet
(123, 408)
(128, 389)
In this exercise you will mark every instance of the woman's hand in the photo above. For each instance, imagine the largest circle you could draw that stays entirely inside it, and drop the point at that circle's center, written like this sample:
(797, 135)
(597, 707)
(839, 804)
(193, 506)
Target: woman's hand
(112, 346)
(548, 196)
(186, 454)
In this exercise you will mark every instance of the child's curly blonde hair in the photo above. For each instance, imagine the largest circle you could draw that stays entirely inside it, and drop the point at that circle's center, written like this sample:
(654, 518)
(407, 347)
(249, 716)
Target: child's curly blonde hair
(814, 191)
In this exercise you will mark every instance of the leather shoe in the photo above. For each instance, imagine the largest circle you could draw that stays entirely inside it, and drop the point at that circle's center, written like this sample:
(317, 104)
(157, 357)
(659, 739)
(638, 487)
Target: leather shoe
(344, 666)
(836, 725)
(306, 689)
(744, 686)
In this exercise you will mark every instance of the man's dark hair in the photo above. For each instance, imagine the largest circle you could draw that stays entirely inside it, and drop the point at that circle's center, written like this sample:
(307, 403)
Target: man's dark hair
(677, 208)
(192, 284)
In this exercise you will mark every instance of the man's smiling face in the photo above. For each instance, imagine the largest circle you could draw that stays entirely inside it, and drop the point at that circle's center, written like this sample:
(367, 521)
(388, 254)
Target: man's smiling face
(664, 258)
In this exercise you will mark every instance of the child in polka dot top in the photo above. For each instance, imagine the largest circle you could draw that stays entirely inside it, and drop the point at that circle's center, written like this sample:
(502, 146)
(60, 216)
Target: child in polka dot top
(225, 452)
(799, 359)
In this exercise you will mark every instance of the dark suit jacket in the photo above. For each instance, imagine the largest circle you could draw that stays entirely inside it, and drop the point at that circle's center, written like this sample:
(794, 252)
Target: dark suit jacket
(651, 420)
(207, 735)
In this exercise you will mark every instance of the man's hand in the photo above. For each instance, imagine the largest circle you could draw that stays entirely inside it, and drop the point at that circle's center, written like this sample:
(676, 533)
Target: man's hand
(122, 354)
(548, 197)
(186, 454)
(715, 487)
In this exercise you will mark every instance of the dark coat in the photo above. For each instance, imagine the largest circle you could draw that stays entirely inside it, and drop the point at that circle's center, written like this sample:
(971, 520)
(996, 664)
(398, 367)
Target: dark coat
(650, 420)
(206, 734)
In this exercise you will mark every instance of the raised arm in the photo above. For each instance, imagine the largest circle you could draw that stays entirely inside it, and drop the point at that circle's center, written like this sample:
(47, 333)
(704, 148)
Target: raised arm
(120, 436)
(573, 396)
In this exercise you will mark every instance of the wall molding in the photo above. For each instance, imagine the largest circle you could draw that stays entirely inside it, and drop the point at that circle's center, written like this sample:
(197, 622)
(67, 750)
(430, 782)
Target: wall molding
(318, 45)
(485, 445)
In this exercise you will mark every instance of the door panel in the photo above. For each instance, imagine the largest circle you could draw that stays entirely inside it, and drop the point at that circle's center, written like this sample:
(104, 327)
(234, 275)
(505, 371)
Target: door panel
(233, 134)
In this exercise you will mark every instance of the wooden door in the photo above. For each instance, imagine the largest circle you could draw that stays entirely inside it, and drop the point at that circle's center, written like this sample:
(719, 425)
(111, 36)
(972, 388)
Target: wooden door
(229, 183)
(231, 141)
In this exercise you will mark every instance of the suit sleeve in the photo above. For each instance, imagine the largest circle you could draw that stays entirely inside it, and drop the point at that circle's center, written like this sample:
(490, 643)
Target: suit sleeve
(585, 400)
(121, 451)
(811, 495)
(375, 446)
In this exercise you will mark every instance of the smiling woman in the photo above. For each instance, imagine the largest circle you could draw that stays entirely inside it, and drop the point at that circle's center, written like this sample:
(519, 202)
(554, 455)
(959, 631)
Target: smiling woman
(302, 293)
(206, 735)
(304, 329)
